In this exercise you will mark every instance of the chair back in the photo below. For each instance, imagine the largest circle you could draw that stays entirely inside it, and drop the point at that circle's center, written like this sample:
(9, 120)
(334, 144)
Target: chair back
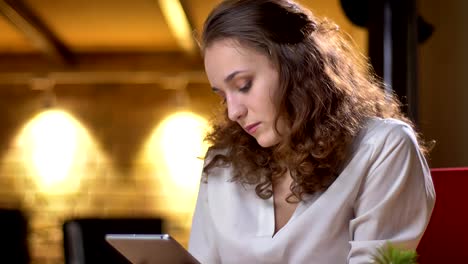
(13, 237)
(446, 237)
(84, 239)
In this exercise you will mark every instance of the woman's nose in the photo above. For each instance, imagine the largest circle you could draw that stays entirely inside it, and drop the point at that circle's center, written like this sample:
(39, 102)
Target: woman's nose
(236, 109)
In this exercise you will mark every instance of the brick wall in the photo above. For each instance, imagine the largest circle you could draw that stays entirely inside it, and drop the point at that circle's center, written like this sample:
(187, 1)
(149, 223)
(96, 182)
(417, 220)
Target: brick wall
(112, 181)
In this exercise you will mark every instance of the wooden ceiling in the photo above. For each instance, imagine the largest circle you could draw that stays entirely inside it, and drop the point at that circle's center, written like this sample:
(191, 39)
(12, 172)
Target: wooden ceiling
(98, 37)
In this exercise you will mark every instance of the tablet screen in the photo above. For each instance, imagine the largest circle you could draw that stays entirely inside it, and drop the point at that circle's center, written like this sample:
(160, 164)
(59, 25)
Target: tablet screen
(150, 249)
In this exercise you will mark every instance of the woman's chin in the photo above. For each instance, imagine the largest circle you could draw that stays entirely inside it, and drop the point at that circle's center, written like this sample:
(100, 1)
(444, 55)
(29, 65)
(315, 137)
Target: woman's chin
(267, 142)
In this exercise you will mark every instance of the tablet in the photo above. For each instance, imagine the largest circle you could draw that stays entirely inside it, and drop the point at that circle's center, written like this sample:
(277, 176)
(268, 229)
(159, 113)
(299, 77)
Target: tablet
(150, 249)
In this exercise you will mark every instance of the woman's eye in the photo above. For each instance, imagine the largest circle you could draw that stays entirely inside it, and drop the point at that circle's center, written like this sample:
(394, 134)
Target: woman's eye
(246, 87)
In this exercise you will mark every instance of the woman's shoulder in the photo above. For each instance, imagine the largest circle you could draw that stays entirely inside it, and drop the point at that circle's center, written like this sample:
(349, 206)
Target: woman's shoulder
(386, 130)
(211, 153)
(216, 172)
(383, 135)
(387, 140)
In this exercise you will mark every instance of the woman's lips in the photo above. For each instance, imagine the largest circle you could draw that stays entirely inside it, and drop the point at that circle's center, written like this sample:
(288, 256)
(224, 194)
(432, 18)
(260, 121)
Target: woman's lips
(252, 128)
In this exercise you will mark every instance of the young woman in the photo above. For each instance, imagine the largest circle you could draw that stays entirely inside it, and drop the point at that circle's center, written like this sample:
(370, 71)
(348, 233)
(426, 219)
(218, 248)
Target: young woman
(314, 163)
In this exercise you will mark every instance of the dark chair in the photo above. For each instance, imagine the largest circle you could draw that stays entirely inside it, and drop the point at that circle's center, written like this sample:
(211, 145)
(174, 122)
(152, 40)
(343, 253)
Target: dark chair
(84, 239)
(13, 237)
(446, 237)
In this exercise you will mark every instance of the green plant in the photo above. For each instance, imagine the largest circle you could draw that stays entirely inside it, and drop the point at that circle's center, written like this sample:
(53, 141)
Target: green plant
(388, 254)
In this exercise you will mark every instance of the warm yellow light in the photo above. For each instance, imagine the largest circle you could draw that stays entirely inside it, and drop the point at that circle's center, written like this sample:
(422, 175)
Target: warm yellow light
(54, 147)
(181, 140)
(178, 22)
(175, 149)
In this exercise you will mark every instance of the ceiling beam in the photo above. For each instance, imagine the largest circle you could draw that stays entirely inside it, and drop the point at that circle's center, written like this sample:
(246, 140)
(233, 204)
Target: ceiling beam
(105, 77)
(103, 68)
(21, 16)
(180, 23)
(168, 62)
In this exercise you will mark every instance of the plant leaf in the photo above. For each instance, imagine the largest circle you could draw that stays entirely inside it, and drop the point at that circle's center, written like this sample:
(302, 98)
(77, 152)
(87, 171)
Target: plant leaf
(388, 254)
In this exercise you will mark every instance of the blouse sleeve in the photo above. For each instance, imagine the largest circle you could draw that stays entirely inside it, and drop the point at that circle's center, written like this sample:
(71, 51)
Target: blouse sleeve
(202, 242)
(396, 198)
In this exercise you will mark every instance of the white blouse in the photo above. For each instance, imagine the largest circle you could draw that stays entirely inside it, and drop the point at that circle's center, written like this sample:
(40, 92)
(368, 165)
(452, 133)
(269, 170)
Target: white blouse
(384, 193)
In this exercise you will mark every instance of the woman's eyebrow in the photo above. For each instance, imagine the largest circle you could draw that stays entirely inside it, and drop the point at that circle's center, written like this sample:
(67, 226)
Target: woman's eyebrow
(228, 79)
(231, 76)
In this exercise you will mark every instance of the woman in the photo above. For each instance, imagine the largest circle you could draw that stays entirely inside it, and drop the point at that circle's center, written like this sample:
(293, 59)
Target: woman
(314, 162)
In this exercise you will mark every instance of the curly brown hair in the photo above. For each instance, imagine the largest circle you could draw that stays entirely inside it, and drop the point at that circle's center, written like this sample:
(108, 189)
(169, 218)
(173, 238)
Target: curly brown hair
(327, 92)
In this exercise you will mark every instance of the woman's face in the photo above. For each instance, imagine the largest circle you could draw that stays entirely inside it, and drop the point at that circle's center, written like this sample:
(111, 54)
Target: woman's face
(247, 81)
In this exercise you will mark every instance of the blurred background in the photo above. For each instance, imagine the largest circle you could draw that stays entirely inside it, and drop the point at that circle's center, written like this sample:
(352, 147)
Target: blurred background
(104, 103)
